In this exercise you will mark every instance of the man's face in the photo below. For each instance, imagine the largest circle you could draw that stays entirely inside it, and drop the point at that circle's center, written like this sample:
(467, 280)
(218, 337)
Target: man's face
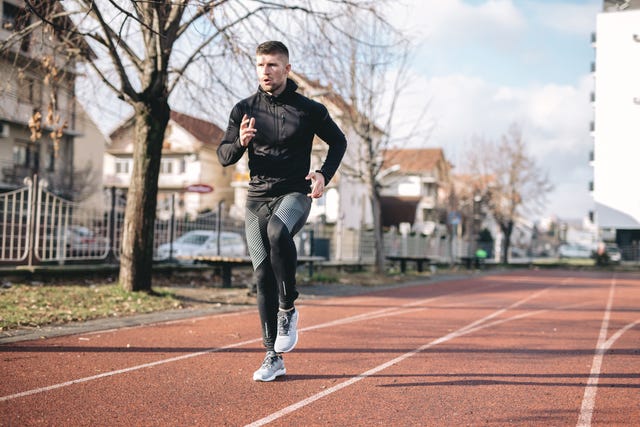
(272, 70)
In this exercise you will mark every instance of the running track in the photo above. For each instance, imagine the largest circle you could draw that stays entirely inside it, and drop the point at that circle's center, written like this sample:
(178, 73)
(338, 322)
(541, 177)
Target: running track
(523, 348)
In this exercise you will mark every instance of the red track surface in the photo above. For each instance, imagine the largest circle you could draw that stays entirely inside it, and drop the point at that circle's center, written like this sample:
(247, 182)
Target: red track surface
(526, 348)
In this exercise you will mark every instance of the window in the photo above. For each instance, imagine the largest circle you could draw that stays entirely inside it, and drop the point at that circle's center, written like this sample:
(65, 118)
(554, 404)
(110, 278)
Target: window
(15, 18)
(166, 166)
(30, 91)
(10, 15)
(428, 189)
(26, 155)
(428, 215)
(50, 158)
(122, 166)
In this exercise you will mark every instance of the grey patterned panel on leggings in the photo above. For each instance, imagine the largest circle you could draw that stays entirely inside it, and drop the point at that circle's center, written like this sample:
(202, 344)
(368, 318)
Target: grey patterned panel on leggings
(254, 241)
(289, 211)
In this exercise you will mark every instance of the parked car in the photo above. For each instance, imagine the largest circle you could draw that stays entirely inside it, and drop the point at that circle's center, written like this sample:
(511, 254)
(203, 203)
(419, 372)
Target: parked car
(613, 252)
(574, 251)
(82, 241)
(203, 243)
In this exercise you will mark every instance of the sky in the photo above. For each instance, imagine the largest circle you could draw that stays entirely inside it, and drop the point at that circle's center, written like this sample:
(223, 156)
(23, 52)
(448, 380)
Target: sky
(483, 65)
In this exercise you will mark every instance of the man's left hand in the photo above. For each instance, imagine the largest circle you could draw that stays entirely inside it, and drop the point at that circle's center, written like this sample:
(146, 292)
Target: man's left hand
(317, 184)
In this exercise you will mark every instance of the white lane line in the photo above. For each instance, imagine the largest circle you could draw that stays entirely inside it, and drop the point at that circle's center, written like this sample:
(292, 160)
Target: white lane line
(589, 398)
(124, 370)
(603, 345)
(618, 334)
(471, 327)
(365, 316)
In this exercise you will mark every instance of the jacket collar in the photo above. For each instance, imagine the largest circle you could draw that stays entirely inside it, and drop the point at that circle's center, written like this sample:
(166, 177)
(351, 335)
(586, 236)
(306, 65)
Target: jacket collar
(290, 88)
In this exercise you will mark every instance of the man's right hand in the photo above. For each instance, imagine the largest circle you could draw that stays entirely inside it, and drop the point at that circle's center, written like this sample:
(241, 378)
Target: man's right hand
(247, 130)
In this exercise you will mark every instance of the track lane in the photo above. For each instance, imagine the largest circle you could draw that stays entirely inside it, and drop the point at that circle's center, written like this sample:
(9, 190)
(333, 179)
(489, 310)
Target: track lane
(213, 388)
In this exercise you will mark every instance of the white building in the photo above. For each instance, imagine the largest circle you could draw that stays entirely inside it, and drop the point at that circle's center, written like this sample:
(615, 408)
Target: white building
(616, 126)
(189, 160)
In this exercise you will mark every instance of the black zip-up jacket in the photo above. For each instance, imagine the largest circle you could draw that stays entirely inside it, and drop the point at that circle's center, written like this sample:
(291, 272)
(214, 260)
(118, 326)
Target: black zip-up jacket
(280, 151)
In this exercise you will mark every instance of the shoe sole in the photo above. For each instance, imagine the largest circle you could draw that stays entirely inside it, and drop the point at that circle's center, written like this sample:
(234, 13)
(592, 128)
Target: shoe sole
(275, 375)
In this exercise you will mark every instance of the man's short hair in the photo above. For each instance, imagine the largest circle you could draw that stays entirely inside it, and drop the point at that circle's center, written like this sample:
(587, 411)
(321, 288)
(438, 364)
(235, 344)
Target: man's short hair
(271, 47)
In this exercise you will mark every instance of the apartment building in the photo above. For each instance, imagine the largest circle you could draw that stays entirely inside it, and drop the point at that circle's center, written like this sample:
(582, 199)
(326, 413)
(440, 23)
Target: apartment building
(40, 120)
(616, 125)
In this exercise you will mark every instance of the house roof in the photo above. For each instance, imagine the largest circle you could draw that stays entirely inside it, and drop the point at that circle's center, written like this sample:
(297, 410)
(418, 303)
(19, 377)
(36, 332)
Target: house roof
(204, 131)
(315, 89)
(414, 159)
(471, 183)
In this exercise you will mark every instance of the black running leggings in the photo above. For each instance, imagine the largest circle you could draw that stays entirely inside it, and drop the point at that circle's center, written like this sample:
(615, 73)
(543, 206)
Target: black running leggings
(270, 227)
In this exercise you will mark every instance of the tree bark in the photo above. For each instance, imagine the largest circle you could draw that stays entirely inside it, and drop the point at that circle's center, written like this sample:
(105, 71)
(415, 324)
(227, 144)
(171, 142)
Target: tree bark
(377, 231)
(136, 259)
(507, 229)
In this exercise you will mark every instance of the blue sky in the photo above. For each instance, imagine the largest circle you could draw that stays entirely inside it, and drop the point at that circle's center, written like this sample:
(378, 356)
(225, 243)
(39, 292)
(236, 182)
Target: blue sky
(484, 64)
(532, 45)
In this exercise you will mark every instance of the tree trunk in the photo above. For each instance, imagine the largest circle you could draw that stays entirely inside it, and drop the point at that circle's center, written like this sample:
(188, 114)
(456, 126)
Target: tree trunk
(506, 230)
(377, 231)
(136, 260)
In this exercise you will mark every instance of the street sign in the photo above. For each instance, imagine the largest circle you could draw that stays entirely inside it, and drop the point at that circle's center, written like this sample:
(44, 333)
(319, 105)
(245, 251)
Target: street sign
(198, 188)
(454, 218)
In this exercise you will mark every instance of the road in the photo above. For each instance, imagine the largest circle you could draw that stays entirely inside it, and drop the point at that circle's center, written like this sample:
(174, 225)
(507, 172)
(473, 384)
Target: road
(521, 348)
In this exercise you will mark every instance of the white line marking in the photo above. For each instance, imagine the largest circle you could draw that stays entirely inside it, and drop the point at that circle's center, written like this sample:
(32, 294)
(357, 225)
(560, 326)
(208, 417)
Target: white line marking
(471, 327)
(122, 371)
(365, 316)
(356, 318)
(589, 398)
(591, 389)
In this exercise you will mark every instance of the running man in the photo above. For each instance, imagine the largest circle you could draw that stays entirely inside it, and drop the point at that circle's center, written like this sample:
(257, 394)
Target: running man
(277, 125)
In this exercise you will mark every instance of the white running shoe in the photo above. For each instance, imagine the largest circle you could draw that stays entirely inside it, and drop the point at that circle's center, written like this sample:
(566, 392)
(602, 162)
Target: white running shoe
(272, 367)
(287, 337)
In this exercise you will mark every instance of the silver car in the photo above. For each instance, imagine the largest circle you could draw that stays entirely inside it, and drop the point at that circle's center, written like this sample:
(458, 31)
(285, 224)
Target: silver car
(203, 243)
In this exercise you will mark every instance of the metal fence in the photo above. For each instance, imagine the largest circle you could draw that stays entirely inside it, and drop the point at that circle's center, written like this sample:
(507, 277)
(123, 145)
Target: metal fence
(41, 227)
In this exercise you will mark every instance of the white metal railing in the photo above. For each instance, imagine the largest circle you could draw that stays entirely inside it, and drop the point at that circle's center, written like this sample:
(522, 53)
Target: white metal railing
(15, 212)
(41, 227)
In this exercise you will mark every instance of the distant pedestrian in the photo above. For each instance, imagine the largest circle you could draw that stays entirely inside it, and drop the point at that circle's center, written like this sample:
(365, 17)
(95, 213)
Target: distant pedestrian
(277, 125)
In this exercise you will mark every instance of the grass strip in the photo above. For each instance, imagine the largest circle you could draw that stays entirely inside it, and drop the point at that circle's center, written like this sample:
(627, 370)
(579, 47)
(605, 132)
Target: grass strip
(24, 305)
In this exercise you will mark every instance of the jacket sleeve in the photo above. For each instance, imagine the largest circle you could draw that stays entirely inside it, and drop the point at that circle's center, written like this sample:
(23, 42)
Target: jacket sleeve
(330, 133)
(230, 150)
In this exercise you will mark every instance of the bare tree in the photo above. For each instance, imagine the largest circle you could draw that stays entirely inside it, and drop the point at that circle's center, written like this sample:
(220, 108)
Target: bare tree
(512, 183)
(367, 68)
(147, 50)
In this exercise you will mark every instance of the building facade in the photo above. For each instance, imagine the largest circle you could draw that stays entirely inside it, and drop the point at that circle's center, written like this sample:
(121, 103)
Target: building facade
(40, 120)
(414, 188)
(616, 125)
(191, 179)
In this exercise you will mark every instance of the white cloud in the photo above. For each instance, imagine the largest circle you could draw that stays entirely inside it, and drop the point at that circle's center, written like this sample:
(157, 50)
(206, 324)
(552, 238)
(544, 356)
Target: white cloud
(554, 119)
(472, 50)
(455, 22)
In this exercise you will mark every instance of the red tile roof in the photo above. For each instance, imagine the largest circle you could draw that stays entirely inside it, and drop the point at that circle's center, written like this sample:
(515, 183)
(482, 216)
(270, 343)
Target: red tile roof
(204, 131)
(414, 159)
